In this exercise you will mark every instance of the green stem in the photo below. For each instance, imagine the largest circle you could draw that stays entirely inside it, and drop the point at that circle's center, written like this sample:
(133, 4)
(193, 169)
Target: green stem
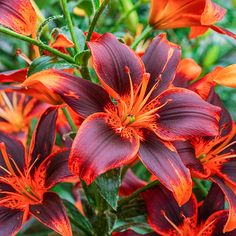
(37, 43)
(95, 19)
(142, 36)
(201, 187)
(137, 192)
(70, 25)
(69, 119)
(124, 16)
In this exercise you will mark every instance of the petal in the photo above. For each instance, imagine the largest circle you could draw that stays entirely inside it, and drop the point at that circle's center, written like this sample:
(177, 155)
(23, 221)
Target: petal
(14, 75)
(44, 136)
(161, 60)
(213, 202)
(187, 154)
(81, 95)
(161, 205)
(228, 170)
(98, 147)
(130, 232)
(212, 13)
(196, 31)
(215, 224)
(167, 166)
(231, 198)
(130, 183)
(15, 151)
(52, 213)
(111, 59)
(226, 122)
(10, 221)
(19, 15)
(185, 115)
(187, 71)
(227, 76)
(62, 42)
(56, 168)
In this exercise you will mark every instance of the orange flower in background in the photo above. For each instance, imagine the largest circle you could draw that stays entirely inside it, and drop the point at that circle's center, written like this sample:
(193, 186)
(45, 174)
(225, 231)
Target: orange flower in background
(200, 15)
(18, 15)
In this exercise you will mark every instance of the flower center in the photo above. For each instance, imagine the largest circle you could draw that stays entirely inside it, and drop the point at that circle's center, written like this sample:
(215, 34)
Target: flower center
(11, 111)
(24, 190)
(136, 109)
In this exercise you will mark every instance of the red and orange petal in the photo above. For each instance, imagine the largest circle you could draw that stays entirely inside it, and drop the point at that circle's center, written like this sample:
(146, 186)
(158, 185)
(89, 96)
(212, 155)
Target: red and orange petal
(185, 115)
(44, 136)
(187, 71)
(11, 221)
(113, 63)
(11, 151)
(161, 60)
(130, 183)
(83, 96)
(52, 213)
(62, 41)
(231, 198)
(106, 147)
(164, 212)
(167, 166)
(14, 75)
(18, 15)
(55, 169)
(226, 76)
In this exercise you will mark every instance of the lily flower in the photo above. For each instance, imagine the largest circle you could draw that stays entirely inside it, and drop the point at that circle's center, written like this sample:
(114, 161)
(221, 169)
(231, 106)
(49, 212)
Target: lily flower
(167, 218)
(25, 180)
(133, 113)
(214, 158)
(200, 15)
(18, 15)
(16, 112)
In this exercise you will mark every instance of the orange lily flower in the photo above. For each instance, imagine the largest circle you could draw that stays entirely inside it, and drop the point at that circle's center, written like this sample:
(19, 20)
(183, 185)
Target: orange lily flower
(18, 15)
(197, 14)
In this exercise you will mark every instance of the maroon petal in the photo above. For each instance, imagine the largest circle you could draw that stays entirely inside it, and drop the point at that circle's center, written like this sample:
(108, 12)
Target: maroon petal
(15, 151)
(185, 115)
(231, 198)
(215, 224)
(161, 60)
(228, 170)
(56, 168)
(226, 121)
(130, 183)
(130, 232)
(83, 96)
(10, 221)
(213, 202)
(163, 208)
(187, 155)
(14, 75)
(98, 147)
(44, 136)
(52, 213)
(111, 59)
(167, 166)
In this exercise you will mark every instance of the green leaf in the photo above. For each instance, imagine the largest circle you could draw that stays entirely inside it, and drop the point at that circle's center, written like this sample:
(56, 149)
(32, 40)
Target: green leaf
(96, 3)
(108, 185)
(211, 56)
(87, 6)
(77, 219)
(48, 62)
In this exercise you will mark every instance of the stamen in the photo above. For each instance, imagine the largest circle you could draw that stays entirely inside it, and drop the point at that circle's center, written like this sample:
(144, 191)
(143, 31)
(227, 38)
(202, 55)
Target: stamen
(205, 228)
(23, 56)
(6, 158)
(127, 70)
(172, 223)
(7, 101)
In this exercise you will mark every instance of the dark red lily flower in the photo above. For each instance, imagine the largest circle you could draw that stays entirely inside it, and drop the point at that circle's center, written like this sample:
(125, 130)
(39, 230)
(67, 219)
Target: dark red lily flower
(16, 112)
(214, 158)
(25, 180)
(167, 218)
(19, 15)
(142, 117)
